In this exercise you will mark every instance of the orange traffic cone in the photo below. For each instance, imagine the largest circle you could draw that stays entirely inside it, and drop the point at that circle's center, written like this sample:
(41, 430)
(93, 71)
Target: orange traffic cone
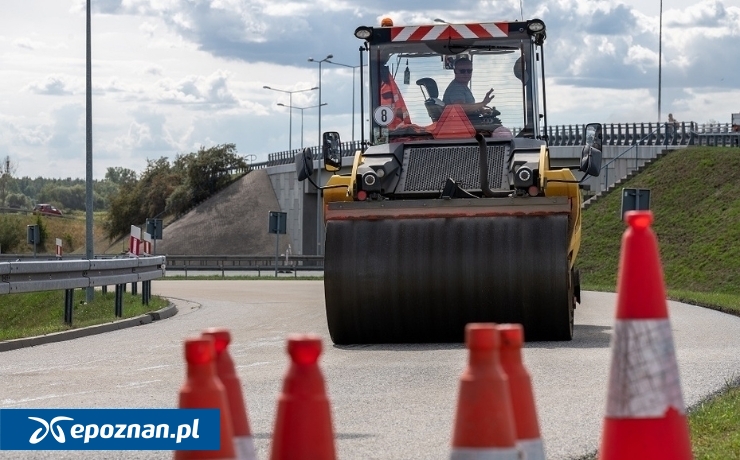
(303, 427)
(243, 442)
(522, 396)
(484, 423)
(203, 390)
(645, 414)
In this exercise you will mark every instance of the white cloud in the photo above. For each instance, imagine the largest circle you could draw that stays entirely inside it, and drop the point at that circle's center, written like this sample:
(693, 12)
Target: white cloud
(54, 85)
(27, 43)
(211, 90)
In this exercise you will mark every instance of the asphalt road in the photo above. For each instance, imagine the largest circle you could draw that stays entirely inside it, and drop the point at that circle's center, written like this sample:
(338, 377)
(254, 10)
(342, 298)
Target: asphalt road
(388, 402)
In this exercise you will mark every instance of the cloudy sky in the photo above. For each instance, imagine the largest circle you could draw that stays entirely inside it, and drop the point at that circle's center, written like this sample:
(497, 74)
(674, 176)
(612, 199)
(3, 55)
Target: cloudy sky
(170, 76)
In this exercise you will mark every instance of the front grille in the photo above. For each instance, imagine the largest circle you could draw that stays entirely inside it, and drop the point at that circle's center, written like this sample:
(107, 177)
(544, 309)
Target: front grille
(425, 169)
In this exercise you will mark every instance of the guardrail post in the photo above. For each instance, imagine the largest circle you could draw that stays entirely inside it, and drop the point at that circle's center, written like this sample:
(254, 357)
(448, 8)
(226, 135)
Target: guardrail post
(120, 289)
(104, 288)
(145, 287)
(69, 296)
(134, 288)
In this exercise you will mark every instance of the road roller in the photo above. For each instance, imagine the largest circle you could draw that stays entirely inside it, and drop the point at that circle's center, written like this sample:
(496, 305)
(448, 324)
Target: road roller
(450, 212)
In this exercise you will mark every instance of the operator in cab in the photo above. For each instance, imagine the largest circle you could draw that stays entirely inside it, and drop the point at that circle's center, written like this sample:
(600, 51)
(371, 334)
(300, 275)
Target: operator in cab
(458, 91)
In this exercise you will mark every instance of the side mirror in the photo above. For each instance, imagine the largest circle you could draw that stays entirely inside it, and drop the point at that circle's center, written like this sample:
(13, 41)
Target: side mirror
(591, 154)
(332, 150)
(304, 164)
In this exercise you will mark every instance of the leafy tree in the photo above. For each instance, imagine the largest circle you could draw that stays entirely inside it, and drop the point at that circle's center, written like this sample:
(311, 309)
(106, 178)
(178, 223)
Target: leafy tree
(30, 187)
(209, 170)
(124, 209)
(158, 182)
(179, 201)
(6, 177)
(118, 175)
(18, 200)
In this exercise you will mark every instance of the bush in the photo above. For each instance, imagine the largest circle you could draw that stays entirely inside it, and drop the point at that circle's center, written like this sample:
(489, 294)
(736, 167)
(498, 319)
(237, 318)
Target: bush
(69, 242)
(179, 201)
(43, 233)
(11, 234)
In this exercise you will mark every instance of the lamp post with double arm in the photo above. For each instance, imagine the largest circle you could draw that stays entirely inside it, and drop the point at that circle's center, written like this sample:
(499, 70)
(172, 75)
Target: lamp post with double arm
(301, 109)
(353, 67)
(318, 172)
(290, 103)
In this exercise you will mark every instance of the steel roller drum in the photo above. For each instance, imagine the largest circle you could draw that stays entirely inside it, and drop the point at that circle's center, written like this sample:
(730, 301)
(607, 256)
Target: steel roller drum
(412, 279)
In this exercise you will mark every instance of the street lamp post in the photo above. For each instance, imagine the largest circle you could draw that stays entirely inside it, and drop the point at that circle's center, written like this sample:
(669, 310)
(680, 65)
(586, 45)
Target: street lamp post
(353, 67)
(660, 59)
(318, 172)
(290, 103)
(302, 109)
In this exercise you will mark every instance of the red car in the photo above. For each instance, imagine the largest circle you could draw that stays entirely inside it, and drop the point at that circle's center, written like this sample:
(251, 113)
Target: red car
(47, 210)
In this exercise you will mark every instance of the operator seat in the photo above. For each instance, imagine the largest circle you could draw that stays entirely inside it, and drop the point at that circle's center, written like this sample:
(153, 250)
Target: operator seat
(432, 102)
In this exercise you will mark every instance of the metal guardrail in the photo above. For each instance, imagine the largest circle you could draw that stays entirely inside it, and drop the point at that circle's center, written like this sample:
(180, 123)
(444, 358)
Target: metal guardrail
(69, 274)
(257, 264)
(34, 276)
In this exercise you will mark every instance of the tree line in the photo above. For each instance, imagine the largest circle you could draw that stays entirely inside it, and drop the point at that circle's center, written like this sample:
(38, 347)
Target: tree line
(163, 188)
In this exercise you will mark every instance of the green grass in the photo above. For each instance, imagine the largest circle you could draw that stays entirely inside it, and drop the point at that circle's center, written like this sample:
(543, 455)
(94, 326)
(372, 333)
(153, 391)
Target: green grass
(38, 313)
(714, 426)
(695, 199)
(695, 196)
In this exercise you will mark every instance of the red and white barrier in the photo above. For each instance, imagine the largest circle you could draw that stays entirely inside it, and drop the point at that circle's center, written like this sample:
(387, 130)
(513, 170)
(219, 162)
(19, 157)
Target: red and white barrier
(134, 241)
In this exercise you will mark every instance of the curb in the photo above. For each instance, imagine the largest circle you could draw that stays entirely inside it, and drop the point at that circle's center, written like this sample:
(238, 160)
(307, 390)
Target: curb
(164, 313)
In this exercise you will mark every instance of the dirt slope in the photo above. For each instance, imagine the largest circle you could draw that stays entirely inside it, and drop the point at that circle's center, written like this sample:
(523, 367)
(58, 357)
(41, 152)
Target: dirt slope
(234, 221)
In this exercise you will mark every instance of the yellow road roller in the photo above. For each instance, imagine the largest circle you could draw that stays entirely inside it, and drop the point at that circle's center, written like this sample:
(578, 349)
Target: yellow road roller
(451, 212)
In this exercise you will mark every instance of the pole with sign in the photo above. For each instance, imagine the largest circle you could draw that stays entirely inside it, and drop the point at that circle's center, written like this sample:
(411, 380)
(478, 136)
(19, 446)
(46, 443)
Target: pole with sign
(33, 236)
(277, 224)
(154, 228)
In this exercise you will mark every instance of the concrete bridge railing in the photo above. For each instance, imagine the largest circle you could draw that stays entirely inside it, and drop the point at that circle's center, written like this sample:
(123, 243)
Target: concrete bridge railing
(615, 134)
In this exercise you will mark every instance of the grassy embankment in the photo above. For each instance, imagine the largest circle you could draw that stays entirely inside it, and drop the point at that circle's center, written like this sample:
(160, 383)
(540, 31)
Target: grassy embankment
(695, 196)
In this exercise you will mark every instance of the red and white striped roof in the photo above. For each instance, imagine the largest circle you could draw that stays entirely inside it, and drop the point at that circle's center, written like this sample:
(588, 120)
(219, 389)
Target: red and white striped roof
(449, 31)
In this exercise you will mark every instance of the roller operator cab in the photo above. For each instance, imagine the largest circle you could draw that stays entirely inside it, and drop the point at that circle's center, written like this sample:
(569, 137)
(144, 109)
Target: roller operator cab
(452, 213)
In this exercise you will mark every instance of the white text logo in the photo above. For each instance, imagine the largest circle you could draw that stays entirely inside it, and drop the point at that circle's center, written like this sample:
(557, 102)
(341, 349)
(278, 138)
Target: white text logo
(56, 431)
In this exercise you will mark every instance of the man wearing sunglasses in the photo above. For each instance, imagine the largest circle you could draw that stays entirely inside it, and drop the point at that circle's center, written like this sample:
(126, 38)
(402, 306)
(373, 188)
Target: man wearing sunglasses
(458, 91)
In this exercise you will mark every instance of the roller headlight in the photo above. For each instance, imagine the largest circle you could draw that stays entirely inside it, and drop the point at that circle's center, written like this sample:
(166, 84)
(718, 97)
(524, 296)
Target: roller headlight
(523, 177)
(369, 179)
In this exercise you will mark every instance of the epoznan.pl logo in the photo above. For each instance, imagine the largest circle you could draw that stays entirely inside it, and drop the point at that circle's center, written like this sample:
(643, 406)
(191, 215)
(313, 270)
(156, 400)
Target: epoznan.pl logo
(58, 434)
(109, 429)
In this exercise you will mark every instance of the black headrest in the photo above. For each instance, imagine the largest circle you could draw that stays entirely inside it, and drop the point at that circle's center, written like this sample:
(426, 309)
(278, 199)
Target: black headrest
(430, 85)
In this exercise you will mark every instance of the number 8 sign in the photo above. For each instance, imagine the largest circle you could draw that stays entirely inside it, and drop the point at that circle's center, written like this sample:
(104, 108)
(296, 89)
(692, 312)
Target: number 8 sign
(383, 115)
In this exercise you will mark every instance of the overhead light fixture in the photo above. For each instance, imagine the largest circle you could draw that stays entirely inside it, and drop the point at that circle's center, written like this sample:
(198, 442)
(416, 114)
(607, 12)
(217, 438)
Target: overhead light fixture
(363, 32)
(536, 26)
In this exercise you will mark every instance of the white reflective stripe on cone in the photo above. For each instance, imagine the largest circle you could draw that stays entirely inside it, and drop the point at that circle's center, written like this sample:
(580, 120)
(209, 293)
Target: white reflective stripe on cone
(245, 448)
(643, 378)
(532, 449)
(487, 453)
